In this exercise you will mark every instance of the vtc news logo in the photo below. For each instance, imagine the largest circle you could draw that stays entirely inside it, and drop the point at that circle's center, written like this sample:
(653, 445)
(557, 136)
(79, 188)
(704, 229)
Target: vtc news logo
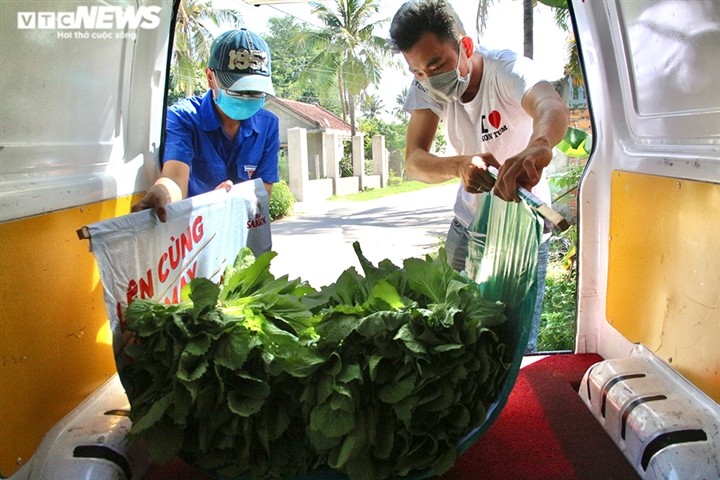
(92, 18)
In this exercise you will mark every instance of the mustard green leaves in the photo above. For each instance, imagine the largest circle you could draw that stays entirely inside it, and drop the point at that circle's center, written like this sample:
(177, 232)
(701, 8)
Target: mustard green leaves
(376, 376)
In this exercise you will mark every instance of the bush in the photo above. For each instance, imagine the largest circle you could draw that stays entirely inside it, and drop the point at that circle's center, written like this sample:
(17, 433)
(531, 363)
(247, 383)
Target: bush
(346, 167)
(393, 179)
(283, 168)
(281, 200)
(557, 321)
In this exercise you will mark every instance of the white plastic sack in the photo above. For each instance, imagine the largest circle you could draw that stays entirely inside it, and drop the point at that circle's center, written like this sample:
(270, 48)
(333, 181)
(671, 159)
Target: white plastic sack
(140, 257)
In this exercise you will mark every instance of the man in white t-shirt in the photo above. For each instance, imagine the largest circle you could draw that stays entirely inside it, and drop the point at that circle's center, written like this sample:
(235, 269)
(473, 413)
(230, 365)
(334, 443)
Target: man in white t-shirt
(497, 112)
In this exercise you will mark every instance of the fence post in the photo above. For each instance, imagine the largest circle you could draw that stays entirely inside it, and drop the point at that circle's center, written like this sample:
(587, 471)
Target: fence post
(380, 159)
(358, 158)
(297, 161)
(333, 153)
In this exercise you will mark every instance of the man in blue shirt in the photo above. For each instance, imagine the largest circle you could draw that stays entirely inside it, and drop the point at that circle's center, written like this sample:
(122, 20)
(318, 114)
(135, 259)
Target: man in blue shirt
(223, 136)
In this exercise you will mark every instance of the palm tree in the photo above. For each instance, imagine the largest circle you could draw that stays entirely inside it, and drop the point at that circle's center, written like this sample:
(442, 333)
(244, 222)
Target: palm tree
(528, 48)
(562, 17)
(289, 62)
(372, 104)
(191, 47)
(349, 52)
(398, 111)
(528, 5)
(481, 16)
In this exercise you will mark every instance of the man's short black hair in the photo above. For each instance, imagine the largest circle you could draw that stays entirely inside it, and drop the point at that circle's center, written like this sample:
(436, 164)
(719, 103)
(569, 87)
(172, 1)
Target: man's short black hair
(416, 17)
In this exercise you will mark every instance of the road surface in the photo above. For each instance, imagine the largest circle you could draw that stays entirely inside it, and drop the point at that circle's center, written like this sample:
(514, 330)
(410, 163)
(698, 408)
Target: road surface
(315, 242)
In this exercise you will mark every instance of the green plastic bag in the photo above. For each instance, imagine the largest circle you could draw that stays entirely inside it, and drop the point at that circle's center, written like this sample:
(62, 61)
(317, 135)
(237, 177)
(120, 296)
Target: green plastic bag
(502, 259)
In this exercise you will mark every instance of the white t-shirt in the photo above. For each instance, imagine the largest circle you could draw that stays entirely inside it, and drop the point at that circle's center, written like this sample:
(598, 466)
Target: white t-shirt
(493, 121)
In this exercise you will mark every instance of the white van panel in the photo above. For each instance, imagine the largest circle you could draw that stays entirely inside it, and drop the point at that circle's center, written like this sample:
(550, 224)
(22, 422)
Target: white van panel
(72, 135)
(654, 112)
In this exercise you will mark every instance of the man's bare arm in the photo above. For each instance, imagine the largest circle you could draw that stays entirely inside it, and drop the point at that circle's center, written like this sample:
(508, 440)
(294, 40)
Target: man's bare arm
(550, 120)
(429, 168)
(170, 187)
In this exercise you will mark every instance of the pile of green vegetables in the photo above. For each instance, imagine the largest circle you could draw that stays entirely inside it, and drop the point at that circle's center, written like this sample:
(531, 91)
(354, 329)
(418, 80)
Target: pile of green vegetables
(376, 376)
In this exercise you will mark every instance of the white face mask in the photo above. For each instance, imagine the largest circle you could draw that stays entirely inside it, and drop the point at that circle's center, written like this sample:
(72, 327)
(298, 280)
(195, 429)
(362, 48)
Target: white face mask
(449, 86)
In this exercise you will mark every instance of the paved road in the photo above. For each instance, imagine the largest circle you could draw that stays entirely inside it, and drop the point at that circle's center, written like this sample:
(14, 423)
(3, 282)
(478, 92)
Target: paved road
(315, 242)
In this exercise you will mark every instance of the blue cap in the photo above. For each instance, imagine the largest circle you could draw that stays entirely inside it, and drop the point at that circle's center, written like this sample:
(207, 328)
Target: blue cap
(241, 61)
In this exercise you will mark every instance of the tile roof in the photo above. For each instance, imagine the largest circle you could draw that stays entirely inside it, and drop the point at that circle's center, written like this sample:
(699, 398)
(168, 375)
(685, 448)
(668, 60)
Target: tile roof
(313, 114)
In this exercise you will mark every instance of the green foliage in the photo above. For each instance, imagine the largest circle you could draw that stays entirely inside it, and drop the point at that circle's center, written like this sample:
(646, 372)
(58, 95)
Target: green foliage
(191, 44)
(393, 179)
(173, 96)
(188, 86)
(555, 3)
(346, 167)
(570, 178)
(394, 133)
(348, 51)
(281, 200)
(371, 105)
(414, 361)
(289, 62)
(346, 162)
(439, 141)
(376, 377)
(558, 318)
(576, 143)
(283, 166)
(369, 166)
(557, 328)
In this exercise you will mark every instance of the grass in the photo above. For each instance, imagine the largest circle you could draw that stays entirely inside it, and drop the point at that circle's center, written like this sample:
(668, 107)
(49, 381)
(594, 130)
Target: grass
(375, 193)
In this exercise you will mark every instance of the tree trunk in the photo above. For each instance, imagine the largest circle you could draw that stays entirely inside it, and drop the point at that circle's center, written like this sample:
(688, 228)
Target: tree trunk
(528, 28)
(343, 101)
(351, 108)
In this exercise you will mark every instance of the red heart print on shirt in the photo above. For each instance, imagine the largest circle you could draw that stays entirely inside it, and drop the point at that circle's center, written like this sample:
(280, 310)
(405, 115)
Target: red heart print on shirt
(494, 118)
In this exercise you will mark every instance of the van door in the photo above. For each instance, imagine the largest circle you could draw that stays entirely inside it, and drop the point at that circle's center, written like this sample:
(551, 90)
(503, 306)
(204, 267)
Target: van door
(83, 90)
(650, 197)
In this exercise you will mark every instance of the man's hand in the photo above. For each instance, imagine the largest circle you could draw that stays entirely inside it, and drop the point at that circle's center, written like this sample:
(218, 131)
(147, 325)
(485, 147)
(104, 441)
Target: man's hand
(550, 118)
(226, 185)
(170, 187)
(524, 169)
(156, 198)
(164, 191)
(474, 174)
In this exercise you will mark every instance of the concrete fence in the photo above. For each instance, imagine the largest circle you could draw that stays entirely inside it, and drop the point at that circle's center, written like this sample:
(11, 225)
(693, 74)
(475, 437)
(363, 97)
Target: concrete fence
(327, 166)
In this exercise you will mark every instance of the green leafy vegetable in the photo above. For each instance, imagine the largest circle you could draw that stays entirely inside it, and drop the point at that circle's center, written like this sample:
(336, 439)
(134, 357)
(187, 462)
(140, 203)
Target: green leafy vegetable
(425, 367)
(376, 376)
(219, 370)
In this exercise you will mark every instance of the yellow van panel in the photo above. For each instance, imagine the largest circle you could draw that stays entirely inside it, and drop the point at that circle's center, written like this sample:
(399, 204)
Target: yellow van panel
(664, 271)
(55, 341)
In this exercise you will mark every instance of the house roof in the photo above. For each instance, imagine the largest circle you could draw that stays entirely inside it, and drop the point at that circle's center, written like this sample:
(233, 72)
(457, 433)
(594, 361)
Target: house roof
(315, 115)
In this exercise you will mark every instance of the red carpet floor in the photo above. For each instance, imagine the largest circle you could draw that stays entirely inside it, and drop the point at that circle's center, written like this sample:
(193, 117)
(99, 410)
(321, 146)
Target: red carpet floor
(544, 432)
